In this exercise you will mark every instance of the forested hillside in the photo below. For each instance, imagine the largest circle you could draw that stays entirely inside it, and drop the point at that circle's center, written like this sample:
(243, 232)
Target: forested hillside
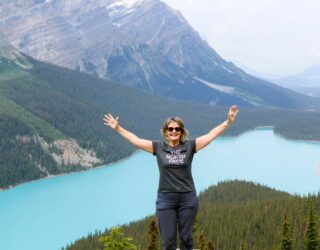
(237, 215)
(60, 112)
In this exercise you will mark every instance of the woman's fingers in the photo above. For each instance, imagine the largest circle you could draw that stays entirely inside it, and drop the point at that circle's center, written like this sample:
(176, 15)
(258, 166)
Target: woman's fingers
(109, 117)
(233, 111)
(110, 121)
(106, 119)
(233, 108)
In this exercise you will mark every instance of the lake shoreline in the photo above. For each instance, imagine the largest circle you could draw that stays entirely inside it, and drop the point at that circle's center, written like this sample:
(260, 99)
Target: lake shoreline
(267, 127)
(69, 173)
(96, 200)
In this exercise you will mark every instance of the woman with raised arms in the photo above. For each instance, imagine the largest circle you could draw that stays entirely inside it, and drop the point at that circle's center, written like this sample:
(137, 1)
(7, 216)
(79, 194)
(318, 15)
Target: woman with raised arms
(177, 202)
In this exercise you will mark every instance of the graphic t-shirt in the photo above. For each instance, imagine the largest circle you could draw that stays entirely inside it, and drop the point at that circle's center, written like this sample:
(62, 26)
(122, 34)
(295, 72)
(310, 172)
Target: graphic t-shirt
(175, 166)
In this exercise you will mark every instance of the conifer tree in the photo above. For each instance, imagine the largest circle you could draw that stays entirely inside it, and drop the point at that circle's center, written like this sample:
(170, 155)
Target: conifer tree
(115, 240)
(153, 236)
(286, 241)
(196, 230)
(311, 237)
(201, 241)
(209, 246)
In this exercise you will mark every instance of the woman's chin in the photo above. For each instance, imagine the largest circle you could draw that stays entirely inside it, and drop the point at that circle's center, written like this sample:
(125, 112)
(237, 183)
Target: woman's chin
(174, 138)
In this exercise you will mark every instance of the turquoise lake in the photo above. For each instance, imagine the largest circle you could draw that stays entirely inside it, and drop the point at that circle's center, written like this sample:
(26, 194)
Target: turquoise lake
(50, 213)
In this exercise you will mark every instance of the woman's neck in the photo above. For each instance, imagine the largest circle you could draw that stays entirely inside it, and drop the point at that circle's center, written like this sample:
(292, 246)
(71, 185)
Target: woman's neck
(173, 143)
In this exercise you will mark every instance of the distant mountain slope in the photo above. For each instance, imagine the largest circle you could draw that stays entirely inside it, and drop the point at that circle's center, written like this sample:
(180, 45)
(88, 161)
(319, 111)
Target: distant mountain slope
(51, 119)
(144, 44)
(265, 76)
(307, 82)
(30, 146)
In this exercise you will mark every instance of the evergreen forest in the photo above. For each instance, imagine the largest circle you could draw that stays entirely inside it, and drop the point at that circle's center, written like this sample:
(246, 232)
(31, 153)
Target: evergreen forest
(232, 215)
(46, 102)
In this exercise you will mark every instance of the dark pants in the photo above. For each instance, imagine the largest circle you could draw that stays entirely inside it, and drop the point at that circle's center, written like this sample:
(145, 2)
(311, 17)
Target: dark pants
(177, 209)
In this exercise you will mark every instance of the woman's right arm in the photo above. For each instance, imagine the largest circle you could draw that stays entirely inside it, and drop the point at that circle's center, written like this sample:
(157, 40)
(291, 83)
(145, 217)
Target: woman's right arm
(113, 123)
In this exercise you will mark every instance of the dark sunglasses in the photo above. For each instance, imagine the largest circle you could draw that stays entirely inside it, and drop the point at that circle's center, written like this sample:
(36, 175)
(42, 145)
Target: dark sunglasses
(177, 129)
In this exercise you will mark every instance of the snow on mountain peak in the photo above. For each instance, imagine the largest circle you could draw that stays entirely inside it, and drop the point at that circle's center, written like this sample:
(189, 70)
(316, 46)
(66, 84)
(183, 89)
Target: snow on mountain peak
(117, 8)
(127, 4)
(131, 3)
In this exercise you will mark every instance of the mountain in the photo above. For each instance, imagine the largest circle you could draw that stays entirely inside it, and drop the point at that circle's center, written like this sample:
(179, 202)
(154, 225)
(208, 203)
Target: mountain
(256, 73)
(30, 146)
(306, 82)
(143, 44)
(51, 119)
(5, 47)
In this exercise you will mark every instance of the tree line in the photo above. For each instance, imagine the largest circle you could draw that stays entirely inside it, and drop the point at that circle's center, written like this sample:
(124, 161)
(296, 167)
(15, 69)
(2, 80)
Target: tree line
(71, 104)
(234, 215)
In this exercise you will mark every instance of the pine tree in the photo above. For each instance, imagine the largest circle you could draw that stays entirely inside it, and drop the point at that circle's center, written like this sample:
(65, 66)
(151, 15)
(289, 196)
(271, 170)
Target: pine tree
(286, 241)
(209, 246)
(311, 237)
(196, 230)
(153, 236)
(115, 240)
(201, 241)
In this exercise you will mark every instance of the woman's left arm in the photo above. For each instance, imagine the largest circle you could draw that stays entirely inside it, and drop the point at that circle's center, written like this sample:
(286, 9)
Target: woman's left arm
(204, 140)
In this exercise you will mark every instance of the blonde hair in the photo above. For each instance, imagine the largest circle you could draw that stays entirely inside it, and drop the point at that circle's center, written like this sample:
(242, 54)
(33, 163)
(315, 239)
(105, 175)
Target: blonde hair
(184, 132)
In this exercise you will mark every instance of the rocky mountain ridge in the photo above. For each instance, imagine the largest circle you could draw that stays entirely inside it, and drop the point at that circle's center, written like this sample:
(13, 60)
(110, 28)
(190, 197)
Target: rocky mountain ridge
(144, 44)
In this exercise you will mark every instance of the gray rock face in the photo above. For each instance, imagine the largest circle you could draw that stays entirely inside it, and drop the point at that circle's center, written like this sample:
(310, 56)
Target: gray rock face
(5, 46)
(56, 31)
(141, 43)
(10, 54)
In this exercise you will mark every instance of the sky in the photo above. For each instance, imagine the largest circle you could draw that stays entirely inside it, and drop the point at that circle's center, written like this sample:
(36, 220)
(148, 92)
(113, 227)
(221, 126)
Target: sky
(278, 38)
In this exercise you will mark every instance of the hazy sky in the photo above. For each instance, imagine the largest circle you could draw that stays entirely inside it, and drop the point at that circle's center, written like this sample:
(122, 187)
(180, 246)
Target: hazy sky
(268, 36)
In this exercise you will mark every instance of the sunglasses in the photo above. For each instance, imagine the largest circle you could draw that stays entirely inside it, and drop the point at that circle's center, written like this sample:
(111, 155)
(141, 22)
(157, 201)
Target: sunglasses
(177, 129)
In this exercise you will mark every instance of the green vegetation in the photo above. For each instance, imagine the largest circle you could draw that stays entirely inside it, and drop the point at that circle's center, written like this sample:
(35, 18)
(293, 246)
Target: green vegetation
(46, 130)
(153, 236)
(21, 160)
(56, 103)
(239, 215)
(116, 240)
(301, 127)
(312, 236)
(286, 241)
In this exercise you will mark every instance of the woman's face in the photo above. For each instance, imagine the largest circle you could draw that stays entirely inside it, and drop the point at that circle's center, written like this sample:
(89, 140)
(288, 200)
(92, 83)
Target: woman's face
(171, 132)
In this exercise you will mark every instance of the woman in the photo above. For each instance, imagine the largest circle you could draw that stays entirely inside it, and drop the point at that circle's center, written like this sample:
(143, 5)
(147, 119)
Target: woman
(177, 202)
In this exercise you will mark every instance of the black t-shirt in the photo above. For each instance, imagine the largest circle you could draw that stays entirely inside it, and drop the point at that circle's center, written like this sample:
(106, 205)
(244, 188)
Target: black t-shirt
(175, 166)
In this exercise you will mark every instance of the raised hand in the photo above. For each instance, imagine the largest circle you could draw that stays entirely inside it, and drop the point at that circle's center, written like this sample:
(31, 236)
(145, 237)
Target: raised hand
(233, 111)
(110, 121)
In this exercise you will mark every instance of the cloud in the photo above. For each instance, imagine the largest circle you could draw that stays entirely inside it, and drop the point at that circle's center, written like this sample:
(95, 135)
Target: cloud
(315, 53)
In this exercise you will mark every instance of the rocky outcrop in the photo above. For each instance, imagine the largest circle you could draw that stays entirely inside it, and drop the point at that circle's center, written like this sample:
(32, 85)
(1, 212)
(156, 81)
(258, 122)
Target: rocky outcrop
(9, 53)
(70, 153)
(65, 152)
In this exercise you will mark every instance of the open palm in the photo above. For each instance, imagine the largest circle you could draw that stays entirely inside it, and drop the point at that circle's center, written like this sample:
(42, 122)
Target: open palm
(110, 121)
(233, 111)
